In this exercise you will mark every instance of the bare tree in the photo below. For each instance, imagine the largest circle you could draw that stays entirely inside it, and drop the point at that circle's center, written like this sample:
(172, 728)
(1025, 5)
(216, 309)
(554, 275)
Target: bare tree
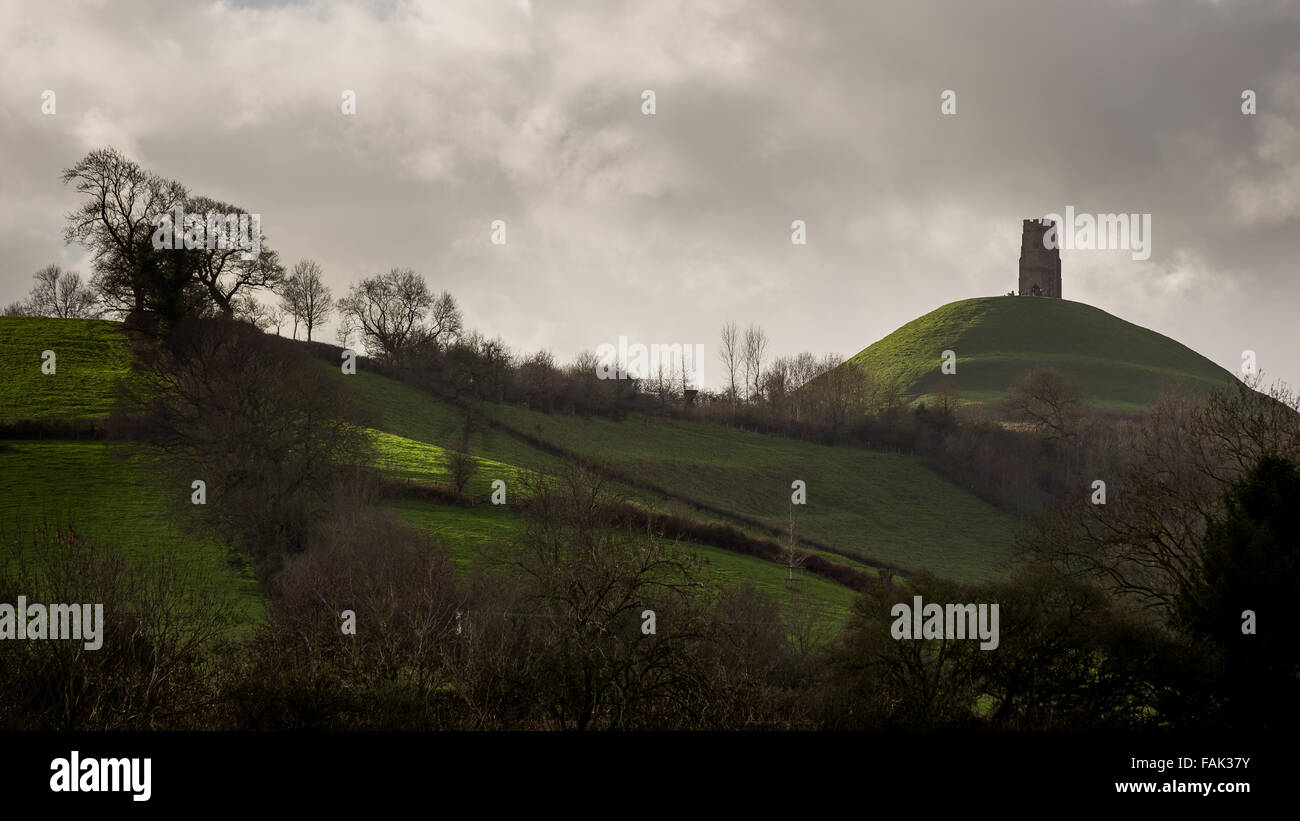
(290, 302)
(348, 327)
(275, 318)
(224, 272)
(387, 309)
(249, 309)
(729, 352)
(125, 208)
(803, 369)
(839, 391)
(43, 297)
(305, 297)
(754, 351)
(776, 382)
(60, 293)
(596, 584)
(1047, 400)
(461, 465)
(445, 321)
(114, 222)
(257, 418)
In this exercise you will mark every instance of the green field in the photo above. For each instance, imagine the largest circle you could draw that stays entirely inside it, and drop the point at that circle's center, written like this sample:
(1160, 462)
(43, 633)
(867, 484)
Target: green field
(881, 506)
(415, 415)
(90, 356)
(872, 505)
(1120, 366)
(112, 499)
(471, 532)
(424, 463)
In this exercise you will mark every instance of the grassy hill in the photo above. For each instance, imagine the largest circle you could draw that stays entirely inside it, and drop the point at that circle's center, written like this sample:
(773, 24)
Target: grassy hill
(90, 356)
(873, 506)
(1120, 366)
(868, 506)
(865, 507)
(105, 491)
(109, 496)
(417, 452)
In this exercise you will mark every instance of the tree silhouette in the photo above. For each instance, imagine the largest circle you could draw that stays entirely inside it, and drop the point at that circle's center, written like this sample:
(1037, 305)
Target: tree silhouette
(1251, 562)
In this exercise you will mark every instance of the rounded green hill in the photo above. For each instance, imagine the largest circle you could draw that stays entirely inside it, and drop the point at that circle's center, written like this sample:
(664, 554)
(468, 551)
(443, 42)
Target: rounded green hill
(1120, 366)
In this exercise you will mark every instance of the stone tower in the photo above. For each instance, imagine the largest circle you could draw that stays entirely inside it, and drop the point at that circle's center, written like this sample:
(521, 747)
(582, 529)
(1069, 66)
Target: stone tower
(1040, 268)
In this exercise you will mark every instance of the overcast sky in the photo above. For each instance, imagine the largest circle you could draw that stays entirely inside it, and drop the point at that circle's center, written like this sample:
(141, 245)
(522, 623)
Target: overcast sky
(661, 227)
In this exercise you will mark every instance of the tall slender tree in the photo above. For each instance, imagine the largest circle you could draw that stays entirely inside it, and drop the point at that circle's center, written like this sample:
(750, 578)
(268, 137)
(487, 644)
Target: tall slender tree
(306, 297)
(729, 353)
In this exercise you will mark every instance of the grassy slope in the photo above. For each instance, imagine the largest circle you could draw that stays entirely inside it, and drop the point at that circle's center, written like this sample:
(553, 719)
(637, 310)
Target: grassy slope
(877, 505)
(90, 356)
(415, 421)
(105, 496)
(470, 532)
(112, 500)
(1121, 366)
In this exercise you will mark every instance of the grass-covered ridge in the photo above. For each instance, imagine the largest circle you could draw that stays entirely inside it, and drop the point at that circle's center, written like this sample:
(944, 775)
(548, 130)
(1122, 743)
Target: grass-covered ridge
(997, 340)
(90, 356)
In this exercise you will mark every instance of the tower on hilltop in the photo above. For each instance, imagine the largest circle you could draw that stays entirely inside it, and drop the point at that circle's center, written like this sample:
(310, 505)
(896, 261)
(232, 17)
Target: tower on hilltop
(1040, 267)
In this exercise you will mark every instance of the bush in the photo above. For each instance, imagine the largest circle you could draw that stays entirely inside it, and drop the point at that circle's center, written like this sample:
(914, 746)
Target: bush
(161, 626)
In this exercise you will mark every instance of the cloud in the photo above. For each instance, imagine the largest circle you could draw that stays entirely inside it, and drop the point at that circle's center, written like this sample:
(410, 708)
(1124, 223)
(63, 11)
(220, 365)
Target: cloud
(664, 226)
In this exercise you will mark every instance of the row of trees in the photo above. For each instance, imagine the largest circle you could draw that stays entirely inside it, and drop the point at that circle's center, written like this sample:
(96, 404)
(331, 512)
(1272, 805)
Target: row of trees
(1197, 529)
(801, 394)
(304, 301)
(395, 315)
(117, 222)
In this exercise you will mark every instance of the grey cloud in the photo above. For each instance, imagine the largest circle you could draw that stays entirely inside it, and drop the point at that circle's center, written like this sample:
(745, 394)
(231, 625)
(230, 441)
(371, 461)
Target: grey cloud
(663, 227)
